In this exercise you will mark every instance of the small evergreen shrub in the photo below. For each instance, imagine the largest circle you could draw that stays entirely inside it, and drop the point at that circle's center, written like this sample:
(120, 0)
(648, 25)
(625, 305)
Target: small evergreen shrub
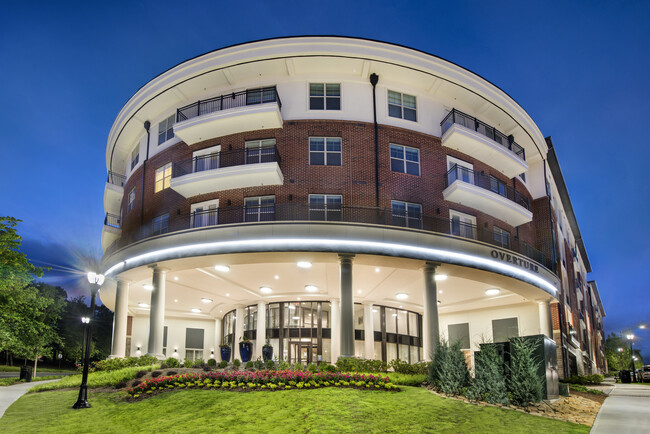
(259, 364)
(584, 379)
(164, 366)
(312, 368)
(140, 374)
(564, 389)
(171, 373)
(187, 363)
(206, 368)
(524, 385)
(172, 362)
(298, 367)
(135, 383)
(353, 364)
(236, 363)
(198, 363)
(453, 375)
(250, 364)
(489, 383)
(282, 366)
(326, 367)
(155, 374)
(212, 363)
(223, 364)
(120, 385)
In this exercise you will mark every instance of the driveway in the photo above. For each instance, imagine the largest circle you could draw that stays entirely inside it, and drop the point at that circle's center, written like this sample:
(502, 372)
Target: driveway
(626, 410)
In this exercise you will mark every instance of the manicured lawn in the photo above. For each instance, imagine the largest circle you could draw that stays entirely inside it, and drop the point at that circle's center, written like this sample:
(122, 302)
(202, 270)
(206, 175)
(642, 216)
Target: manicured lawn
(16, 380)
(325, 410)
(5, 368)
(95, 379)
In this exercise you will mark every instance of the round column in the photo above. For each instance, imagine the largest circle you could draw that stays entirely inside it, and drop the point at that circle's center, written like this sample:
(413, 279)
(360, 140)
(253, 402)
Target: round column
(369, 331)
(217, 339)
(347, 306)
(430, 328)
(260, 335)
(336, 329)
(239, 331)
(545, 325)
(157, 313)
(120, 319)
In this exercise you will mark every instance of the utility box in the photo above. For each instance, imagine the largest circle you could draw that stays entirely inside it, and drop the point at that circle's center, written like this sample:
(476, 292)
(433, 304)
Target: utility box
(26, 373)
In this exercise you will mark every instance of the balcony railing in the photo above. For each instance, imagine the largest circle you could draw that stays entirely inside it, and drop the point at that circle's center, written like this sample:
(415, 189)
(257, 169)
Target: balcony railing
(467, 121)
(220, 160)
(224, 102)
(486, 182)
(337, 213)
(116, 179)
(112, 220)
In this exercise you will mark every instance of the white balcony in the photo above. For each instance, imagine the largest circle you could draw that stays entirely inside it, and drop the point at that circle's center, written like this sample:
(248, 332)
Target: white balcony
(113, 198)
(109, 235)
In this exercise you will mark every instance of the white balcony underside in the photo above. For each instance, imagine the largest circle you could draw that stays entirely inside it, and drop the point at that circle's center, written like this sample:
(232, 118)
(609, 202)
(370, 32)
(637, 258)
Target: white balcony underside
(113, 198)
(227, 178)
(109, 235)
(488, 202)
(231, 121)
(484, 149)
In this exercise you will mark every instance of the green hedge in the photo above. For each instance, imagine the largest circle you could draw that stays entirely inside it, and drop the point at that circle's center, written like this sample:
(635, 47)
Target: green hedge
(584, 379)
(353, 364)
(121, 363)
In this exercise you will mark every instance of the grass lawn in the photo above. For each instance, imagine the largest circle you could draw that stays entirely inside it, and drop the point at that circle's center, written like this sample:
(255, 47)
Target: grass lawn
(325, 410)
(16, 380)
(95, 379)
(5, 368)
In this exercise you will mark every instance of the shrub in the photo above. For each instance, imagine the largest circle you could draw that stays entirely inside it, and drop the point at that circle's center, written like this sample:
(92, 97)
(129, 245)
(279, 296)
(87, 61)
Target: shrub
(164, 366)
(326, 367)
(212, 363)
(249, 364)
(453, 375)
(223, 364)
(140, 374)
(236, 363)
(198, 363)
(120, 385)
(407, 368)
(155, 374)
(564, 389)
(298, 367)
(489, 381)
(135, 383)
(171, 373)
(312, 368)
(259, 364)
(352, 364)
(187, 363)
(407, 379)
(584, 379)
(524, 385)
(282, 366)
(172, 362)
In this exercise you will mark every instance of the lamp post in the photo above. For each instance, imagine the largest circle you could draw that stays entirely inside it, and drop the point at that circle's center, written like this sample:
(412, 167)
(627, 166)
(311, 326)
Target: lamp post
(85, 321)
(630, 337)
(95, 281)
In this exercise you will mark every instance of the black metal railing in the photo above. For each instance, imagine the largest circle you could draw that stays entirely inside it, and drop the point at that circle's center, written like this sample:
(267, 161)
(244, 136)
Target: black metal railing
(112, 220)
(460, 173)
(217, 160)
(247, 97)
(116, 179)
(337, 213)
(467, 121)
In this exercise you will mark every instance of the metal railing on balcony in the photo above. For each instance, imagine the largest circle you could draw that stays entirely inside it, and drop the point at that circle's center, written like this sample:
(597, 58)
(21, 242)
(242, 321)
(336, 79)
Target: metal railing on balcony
(247, 97)
(218, 160)
(116, 179)
(467, 121)
(112, 220)
(338, 213)
(486, 182)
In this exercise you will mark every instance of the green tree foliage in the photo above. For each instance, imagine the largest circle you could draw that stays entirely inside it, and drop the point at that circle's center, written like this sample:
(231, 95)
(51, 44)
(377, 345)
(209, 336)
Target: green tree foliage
(524, 385)
(15, 270)
(618, 360)
(449, 372)
(72, 331)
(489, 382)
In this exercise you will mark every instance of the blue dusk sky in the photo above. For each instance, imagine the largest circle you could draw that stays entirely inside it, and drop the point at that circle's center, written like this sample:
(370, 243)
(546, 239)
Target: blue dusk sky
(579, 68)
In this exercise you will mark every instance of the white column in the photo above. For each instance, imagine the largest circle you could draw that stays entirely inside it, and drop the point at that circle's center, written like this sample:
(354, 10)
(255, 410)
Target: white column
(369, 331)
(430, 328)
(217, 339)
(120, 318)
(157, 313)
(347, 306)
(545, 324)
(336, 329)
(239, 332)
(260, 335)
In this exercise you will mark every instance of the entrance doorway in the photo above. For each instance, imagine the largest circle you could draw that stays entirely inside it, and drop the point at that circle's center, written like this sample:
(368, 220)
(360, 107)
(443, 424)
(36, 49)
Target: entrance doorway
(302, 352)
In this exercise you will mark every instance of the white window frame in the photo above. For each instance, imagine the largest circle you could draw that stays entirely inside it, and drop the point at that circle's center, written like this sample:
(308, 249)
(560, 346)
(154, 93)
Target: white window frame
(257, 151)
(163, 177)
(410, 221)
(135, 157)
(336, 212)
(401, 105)
(325, 152)
(324, 97)
(259, 212)
(464, 230)
(160, 219)
(404, 160)
(206, 159)
(165, 123)
(209, 213)
(130, 200)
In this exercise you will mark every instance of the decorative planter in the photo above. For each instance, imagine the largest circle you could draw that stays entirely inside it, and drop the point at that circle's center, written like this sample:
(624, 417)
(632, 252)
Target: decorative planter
(267, 353)
(245, 351)
(225, 353)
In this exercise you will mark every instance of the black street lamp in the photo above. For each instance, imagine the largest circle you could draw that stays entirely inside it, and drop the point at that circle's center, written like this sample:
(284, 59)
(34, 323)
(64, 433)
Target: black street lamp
(630, 337)
(95, 281)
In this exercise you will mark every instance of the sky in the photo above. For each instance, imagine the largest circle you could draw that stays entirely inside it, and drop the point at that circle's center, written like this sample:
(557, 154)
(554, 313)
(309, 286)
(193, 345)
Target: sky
(579, 68)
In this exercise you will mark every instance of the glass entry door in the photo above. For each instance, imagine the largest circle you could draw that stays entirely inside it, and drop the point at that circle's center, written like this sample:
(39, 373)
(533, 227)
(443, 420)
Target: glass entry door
(302, 352)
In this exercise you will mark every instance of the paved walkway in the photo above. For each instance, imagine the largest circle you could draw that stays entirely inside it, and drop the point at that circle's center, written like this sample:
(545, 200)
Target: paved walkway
(626, 410)
(9, 394)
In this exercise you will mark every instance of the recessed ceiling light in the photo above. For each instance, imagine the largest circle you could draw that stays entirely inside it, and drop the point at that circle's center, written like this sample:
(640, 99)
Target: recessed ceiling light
(206, 300)
(394, 314)
(295, 318)
(400, 307)
(148, 287)
(440, 277)
(440, 292)
(304, 264)
(220, 311)
(377, 270)
(175, 300)
(375, 310)
(266, 290)
(298, 298)
(401, 296)
(276, 277)
(492, 291)
(311, 288)
(227, 294)
(222, 268)
(175, 277)
(196, 310)
(359, 291)
(143, 305)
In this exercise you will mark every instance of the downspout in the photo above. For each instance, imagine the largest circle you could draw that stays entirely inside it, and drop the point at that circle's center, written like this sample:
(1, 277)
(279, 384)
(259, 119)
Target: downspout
(374, 78)
(147, 125)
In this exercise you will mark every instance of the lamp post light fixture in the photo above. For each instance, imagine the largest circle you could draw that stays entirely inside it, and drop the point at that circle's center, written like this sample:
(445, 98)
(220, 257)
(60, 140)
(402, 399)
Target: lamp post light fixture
(95, 280)
(630, 337)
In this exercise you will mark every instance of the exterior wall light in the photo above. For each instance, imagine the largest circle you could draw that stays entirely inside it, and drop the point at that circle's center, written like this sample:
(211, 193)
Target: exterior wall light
(401, 296)
(266, 290)
(311, 288)
(304, 264)
(492, 291)
(222, 268)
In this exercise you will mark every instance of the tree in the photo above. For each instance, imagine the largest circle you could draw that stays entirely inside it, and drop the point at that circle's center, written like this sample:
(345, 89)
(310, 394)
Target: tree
(617, 351)
(15, 270)
(72, 331)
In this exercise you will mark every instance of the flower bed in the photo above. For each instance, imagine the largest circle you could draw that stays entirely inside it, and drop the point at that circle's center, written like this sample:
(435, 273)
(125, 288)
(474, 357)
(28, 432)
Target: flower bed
(261, 380)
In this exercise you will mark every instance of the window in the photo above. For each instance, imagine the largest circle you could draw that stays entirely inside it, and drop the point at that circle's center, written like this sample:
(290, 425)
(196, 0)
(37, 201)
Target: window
(498, 186)
(501, 237)
(206, 159)
(504, 329)
(325, 151)
(161, 224)
(163, 177)
(135, 156)
(259, 209)
(204, 214)
(164, 351)
(131, 202)
(166, 130)
(462, 225)
(459, 169)
(404, 159)
(407, 214)
(259, 96)
(194, 344)
(325, 207)
(324, 96)
(260, 151)
(401, 105)
(459, 333)
(523, 177)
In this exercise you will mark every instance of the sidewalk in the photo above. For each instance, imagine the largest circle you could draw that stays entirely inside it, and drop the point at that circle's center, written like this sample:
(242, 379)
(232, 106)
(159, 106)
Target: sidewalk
(9, 394)
(626, 410)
